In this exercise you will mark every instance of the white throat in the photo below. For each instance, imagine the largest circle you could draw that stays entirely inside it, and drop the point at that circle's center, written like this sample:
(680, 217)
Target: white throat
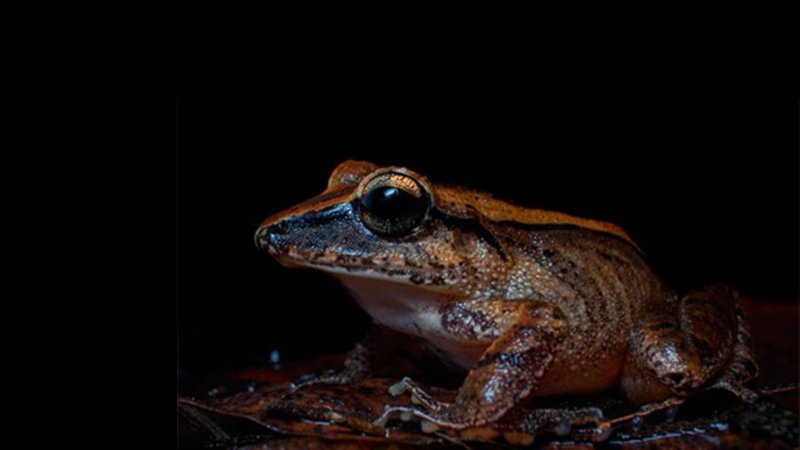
(400, 306)
(412, 310)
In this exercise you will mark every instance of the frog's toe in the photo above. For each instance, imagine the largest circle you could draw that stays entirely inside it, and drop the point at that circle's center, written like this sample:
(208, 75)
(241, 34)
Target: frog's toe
(429, 427)
(400, 387)
(418, 395)
(736, 389)
(602, 433)
(405, 414)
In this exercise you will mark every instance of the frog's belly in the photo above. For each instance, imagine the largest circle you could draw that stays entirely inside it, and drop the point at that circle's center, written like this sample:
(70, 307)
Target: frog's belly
(570, 373)
(581, 366)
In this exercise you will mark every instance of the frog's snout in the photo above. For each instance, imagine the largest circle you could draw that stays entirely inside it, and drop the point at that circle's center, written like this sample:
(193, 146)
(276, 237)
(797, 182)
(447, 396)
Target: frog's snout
(268, 235)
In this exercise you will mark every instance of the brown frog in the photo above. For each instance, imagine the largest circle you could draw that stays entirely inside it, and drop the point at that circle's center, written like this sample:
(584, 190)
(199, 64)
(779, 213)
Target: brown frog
(529, 302)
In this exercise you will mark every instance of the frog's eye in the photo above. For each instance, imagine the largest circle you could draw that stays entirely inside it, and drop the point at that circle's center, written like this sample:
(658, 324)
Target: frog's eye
(393, 204)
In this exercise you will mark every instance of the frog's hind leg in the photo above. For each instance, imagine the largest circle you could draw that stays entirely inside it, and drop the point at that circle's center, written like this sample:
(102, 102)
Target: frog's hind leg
(678, 348)
(741, 367)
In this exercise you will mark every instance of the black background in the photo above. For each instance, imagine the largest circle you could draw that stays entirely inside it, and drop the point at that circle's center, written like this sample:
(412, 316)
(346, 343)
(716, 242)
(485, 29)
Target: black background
(705, 182)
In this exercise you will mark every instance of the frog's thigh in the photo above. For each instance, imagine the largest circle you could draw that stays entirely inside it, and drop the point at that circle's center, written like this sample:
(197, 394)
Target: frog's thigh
(674, 351)
(511, 367)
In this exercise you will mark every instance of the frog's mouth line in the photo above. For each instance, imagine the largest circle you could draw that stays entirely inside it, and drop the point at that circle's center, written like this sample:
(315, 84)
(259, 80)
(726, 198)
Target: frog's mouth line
(356, 268)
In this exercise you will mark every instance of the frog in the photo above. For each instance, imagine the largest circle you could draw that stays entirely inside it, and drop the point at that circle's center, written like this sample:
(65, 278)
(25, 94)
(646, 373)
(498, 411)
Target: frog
(528, 303)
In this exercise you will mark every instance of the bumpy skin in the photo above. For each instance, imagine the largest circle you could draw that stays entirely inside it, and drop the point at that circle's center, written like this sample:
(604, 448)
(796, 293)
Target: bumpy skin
(530, 302)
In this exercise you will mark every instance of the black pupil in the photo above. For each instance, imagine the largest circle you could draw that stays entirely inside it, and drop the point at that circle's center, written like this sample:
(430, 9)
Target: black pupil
(388, 202)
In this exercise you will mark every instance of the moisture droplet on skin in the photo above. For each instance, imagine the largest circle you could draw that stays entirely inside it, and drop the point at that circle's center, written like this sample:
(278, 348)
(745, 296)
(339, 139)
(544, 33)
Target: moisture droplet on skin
(637, 423)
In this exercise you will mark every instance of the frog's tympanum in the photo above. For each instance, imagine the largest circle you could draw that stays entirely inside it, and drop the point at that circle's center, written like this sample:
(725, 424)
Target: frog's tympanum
(530, 303)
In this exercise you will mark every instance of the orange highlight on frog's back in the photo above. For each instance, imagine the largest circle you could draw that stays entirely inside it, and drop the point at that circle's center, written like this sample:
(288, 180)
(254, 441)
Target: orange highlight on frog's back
(457, 200)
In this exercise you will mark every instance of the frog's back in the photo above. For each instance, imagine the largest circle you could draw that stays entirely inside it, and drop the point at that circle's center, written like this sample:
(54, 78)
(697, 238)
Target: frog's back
(458, 201)
(600, 282)
(591, 270)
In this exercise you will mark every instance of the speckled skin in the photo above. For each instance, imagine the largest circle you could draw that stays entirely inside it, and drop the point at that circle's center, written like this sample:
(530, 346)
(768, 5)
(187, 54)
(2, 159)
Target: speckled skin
(530, 302)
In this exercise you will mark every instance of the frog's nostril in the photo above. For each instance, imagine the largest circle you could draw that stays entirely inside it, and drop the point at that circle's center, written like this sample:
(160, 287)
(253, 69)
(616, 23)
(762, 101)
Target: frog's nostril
(279, 228)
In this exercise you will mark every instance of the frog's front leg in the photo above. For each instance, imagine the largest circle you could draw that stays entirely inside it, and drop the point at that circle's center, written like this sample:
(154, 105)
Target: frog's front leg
(507, 373)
